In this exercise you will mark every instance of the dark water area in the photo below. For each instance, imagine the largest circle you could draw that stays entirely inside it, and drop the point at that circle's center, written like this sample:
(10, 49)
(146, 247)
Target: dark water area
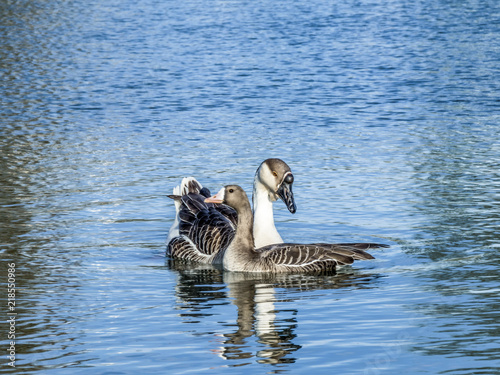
(388, 114)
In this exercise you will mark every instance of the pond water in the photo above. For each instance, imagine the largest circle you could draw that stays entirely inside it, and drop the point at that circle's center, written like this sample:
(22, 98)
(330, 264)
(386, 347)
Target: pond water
(386, 111)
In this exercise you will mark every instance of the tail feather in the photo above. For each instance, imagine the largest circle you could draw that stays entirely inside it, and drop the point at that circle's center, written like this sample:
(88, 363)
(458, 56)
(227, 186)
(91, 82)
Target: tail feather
(364, 246)
(190, 185)
(354, 250)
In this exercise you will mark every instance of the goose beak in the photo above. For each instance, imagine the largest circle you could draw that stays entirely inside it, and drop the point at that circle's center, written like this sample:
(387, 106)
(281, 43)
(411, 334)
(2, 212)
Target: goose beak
(217, 198)
(286, 194)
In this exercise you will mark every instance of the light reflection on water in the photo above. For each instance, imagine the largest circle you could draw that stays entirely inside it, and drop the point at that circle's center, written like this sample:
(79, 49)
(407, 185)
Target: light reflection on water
(255, 296)
(387, 114)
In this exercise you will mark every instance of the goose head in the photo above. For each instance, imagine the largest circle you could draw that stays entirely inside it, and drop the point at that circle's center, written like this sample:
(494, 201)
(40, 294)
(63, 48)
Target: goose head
(231, 195)
(276, 177)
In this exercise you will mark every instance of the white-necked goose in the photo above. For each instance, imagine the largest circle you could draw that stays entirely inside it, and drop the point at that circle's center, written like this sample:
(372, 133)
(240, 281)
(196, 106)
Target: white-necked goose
(242, 255)
(202, 230)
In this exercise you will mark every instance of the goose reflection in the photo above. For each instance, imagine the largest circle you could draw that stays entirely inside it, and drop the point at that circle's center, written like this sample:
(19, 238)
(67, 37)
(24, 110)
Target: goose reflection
(201, 287)
(257, 315)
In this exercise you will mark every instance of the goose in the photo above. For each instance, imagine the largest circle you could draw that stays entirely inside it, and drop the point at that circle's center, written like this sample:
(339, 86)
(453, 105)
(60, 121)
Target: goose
(243, 256)
(201, 230)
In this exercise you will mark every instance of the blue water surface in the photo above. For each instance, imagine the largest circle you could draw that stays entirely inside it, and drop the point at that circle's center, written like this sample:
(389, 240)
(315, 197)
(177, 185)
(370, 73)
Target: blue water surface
(387, 112)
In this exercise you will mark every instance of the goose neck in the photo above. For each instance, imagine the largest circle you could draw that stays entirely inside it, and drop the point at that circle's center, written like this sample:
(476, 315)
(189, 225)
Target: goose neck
(241, 251)
(244, 229)
(264, 230)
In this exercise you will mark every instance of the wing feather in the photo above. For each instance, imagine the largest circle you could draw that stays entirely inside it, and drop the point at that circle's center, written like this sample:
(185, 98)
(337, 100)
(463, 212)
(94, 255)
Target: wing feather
(209, 228)
(309, 257)
(183, 248)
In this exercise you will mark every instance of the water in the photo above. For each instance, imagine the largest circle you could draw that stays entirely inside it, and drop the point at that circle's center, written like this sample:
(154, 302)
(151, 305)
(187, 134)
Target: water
(387, 113)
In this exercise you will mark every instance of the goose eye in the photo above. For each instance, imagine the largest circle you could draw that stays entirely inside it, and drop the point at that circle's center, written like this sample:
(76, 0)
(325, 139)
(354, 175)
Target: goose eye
(231, 190)
(275, 174)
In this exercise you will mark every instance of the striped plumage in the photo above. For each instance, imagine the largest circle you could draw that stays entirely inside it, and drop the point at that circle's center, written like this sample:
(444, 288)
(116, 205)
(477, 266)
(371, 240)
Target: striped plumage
(201, 230)
(288, 257)
(241, 254)
(204, 228)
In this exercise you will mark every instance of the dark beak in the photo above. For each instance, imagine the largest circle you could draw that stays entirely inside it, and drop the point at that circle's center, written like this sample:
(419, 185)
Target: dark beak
(286, 194)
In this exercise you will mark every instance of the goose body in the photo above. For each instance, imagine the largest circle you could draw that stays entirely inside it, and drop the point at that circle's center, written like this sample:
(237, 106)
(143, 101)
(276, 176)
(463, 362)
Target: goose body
(202, 230)
(242, 255)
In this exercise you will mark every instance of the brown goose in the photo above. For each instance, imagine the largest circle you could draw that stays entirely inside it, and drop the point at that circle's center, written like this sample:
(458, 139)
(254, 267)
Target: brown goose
(202, 230)
(242, 255)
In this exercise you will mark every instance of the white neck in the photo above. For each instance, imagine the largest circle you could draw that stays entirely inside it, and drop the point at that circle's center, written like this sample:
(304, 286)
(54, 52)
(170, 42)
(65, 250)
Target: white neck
(264, 231)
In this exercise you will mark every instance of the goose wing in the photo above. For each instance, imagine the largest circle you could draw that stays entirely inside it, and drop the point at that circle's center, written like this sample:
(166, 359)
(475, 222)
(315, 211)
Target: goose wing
(304, 258)
(211, 227)
(204, 228)
(354, 250)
